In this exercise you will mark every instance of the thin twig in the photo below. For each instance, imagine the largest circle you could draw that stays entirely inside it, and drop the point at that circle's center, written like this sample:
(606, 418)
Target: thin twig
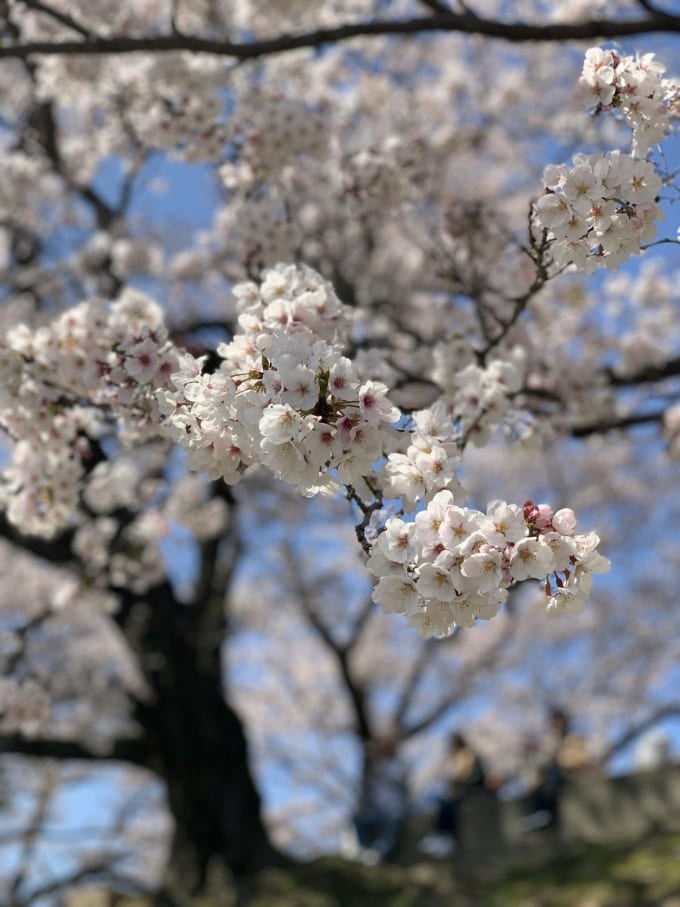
(58, 16)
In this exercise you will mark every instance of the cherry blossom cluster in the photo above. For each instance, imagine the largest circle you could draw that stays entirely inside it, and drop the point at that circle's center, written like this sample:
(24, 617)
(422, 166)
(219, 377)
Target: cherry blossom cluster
(479, 397)
(476, 401)
(59, 380)
(131, 557)
(453, 565)
(25, 177)
(600, 211)
(285, 396)
(262, 17)
(187, 504)
(268, 134)
(106, 354)
(428, 463)
(635, 87)
(639, 325)
(184, 109)
(262, 231)
(24, 706)
(39, 487)
(382, 178)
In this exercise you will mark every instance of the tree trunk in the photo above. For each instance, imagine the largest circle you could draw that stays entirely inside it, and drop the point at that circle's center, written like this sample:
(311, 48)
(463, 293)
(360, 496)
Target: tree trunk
(196, 744)
(211, 794)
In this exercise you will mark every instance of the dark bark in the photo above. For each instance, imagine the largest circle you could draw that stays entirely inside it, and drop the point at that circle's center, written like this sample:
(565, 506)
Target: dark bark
(203, 759)
(196, 744)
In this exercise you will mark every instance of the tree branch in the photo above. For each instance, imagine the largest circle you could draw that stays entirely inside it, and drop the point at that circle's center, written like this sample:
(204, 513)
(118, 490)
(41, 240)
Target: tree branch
(358, 626)
(666, 711)
(58, 16)
(415, 673)
(457, 694)
(99, 870)
(436, 6)
(56, 550)
(651, 8)
(218, 557)
(461, 23)
(339, 652)
(49, 138)
(130, 750)
(597, 428)
(647, 375)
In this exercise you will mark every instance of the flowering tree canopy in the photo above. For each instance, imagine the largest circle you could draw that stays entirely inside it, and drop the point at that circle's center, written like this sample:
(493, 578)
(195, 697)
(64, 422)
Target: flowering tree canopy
(385, 280)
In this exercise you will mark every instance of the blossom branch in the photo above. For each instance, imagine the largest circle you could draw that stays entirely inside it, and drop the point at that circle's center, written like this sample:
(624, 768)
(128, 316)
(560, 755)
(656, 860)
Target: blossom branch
(538, 252)
(367, 510)
(56, 550)
(58, 16)
(604, 426)
(648, 374)
(515, 32)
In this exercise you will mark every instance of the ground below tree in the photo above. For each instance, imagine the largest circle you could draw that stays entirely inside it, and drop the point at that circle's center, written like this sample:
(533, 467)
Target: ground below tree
(644, 875)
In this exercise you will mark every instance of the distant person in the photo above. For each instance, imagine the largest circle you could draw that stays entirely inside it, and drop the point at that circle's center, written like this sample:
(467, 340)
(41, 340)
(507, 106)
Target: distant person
(383, 803)
(651, 751)
(464, 775)
(567, 759)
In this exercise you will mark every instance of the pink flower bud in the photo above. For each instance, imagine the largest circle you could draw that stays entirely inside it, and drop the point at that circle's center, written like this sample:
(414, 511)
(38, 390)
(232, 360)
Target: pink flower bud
(564, 521)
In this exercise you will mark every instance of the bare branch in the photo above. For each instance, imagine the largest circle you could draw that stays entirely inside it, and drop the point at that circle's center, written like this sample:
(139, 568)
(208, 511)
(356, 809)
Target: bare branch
(358, 626)
(415, 673)
(339, 652)
(458, 693)
(31, 833)
(100, 870)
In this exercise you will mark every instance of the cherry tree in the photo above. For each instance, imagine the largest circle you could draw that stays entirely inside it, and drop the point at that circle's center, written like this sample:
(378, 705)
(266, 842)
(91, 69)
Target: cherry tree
(405, 257)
